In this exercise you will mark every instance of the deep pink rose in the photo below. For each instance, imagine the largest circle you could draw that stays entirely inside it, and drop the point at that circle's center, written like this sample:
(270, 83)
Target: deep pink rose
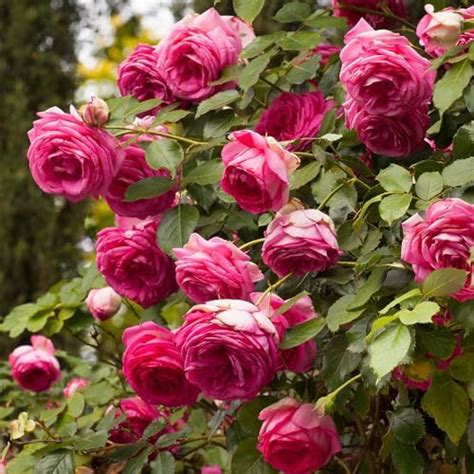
(326, 52)
(35, 367)
(133, 264)
(295, 439)
(299, 358)
(103, 303)
(211, 470)
(257, 171)
(443, 239)
(74, 385)
(69, 158)
(197, 50)
(229, 348)
(294, 116)
(140, 76)
(214, 268)
(383, 74)
(299, 242)
(397, 7)
(153, 366)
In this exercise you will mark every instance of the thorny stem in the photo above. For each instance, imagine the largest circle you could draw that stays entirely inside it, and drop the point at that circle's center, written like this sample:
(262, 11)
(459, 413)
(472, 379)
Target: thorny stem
(251, 243)
(273, 287)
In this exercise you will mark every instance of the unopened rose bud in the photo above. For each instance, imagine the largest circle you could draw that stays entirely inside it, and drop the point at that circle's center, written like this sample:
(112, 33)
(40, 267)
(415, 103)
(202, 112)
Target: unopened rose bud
(95, 112)
(294, 204)
(103, 303)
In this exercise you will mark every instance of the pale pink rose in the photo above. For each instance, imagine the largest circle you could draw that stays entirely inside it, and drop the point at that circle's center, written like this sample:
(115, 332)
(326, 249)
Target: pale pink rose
(103, 303)
(443, 239)
(256, 171)
(35, 367)
(211, 470)
(153, 366)
(295, 117)
(214, 268)
(197, 50)
(299, 358)
(95, 112)
(299, 242)
(140, 76)
(295, 438)
(74, 385)
(69, 158)
(229, 348)
(383, 73)
(133, 264)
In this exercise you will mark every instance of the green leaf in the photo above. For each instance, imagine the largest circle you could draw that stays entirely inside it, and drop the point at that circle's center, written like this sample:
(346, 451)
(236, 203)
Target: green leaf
(300, 40)
(304, 175)
(58, 462)
(251, 73)
(462, 313)
(303, 71)
(408, 425)
(135, 465)
(395, 179)
(429, 185)
(451, 86)
(459, 172)
(462, 367)
(148, 188)
(15, 322)
(438, 341)
(389, 349)
(291, 302)
(316, 20)
(405, 296)
(100, 393)
(163, 464)
(444, 282)
(463, 141)
(209, 172)
(367, 289)
(153, 428)
(165, 153)
(406, 458)
(248, 460)
(422, 313)
(292, 11)
(75, 405)
(248, 9)
(394, 207)
(302, 332)
(92, 440)
(248, 414)
(470, 432)
(170, 116)
(123, 107)
(340, 314)
(260, 44)
(176, 226)
(217, 101)
(447, 402)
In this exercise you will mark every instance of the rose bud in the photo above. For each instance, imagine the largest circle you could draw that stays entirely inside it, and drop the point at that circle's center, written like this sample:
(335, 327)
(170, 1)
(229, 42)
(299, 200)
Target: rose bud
(103, 303)
(95, 112)
(74, 385)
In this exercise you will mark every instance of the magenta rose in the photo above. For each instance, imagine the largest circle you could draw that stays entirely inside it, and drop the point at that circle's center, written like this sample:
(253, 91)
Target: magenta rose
(256, 171)
(140, 76)
(103, 303)
(443, 239)
(133, 264)
(229, 348)
(35, 367)
(69, 158)
(214, 268)
(197, 50)
(74, 385)
(295, 438)
(326, 52)
(299, 242)
(211, 470)
(294, 117)
(153, 366)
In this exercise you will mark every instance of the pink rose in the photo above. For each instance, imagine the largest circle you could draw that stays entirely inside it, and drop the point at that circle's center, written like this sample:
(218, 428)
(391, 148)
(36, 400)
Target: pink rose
(197, 50)
(295, 439)
(74, 385)
(383, 74)
(140, 76)
(103, 303)
(299, 242)
(95, 112)
(326, 52)
(229, 348)
(211, 470)
(153, 366)
(133, 264)
(294, 116)
(257, 171)
(443, 239)
(34, 367)
(214, 268)
(299, 358)
(69, 158)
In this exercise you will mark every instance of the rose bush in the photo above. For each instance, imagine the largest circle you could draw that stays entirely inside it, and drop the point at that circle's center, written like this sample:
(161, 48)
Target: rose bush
(288, 284)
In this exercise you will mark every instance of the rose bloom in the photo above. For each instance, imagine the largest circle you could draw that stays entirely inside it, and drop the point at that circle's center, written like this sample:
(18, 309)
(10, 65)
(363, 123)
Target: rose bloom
(69, 158)
(326, 52)
(382, 72)
(198, 49)
(153, 366)
(294, 116)
(256, 171)
(443, 239)
(74, 385)
(299, 242)
(34, 367)
(397, 7)
(140, 76)
(133, 264)
(299, 358)
(214, 268)
(135, 168)
(229, 348)
(103, 303)
(295, 439)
